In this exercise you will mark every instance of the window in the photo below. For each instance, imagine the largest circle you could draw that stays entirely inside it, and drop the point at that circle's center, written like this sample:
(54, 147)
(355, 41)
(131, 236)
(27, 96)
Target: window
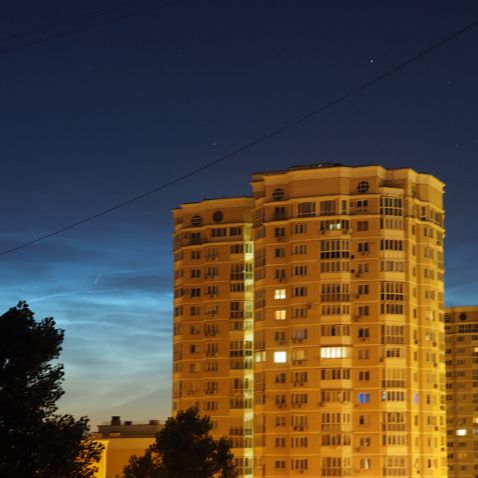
(335, 395)
(391, 245)
(365, 463)
(362, 226)
(363, 289)
(195, 255)
(235, 231)
(212, 253)
(280, 378)
(196, 221)
(334, 292)
(219, 232)
(299, 292)
(306, 209)
(280, 336)
(196, 292)
(279, 252)
(391, 206)
(299, 249)
(334, 225)
(299, 442)
(278, 194)
(300, 270)
(363, 311)
(299, 228)
(212, 290)
(362, 187)
(364, 375)
(299, 335)
(195, 273)
(280, 294)
(279, 232)
(279, 274)
(334, 352)
(299, 313)
(279, 442)
(280, 314)
(363, 354)
(260, 356)
(361, 205)
(335, 374)
(279, 213)
(334, 266)
(363, 333)
(280, 356)
(393, 291)
(335, 330)
(334, 249)
(327, 208)
(281, 421)
(362, 247)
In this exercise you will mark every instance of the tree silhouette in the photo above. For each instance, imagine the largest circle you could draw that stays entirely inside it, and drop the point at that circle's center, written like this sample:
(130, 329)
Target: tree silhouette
(35, 441)
(184, 449)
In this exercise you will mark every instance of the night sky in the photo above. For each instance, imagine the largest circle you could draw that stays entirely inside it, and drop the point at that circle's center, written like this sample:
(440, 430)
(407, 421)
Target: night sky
(92, 119)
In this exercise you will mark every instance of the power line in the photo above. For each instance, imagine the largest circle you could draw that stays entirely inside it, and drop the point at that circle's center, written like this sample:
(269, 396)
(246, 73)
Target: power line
(83, 28)
(86, 16)
(255, 142)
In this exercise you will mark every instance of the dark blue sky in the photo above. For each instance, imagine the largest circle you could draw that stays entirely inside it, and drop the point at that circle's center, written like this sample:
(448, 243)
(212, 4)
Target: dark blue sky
(89, 120)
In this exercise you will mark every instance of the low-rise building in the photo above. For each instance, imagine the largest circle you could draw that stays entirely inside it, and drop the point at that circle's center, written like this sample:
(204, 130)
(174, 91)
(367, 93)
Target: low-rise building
(121, 440)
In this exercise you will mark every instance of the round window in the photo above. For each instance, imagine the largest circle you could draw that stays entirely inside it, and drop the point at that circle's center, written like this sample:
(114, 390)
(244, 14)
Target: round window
(217, 216)
(362, 187)
(463, 316)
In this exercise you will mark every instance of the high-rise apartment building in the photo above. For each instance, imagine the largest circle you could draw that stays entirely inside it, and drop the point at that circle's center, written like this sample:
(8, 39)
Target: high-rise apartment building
(213, 318)
(461, 329)
(344, 315)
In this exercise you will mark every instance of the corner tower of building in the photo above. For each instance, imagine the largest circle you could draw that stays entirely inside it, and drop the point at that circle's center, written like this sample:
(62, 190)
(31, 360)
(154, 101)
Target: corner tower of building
(349, 373)
(213, 318)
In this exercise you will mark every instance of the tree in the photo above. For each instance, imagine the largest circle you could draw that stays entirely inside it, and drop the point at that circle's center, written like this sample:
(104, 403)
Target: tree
(35, 441)
(184, 449)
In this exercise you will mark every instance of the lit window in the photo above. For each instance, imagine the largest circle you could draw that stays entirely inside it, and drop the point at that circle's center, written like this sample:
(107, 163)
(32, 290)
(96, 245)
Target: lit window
(334, 352)
(364, 397)
(461, 432)
(280, 357)
(261, 356)
(280, 294)
(365, 464)
(280, 315)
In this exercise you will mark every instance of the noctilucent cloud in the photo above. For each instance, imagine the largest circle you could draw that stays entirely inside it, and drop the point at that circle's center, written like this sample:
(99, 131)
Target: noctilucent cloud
(139, 95)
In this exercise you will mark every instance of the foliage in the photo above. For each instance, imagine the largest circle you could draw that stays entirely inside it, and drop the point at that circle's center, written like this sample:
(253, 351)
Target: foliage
(35, 442)
(184, 449)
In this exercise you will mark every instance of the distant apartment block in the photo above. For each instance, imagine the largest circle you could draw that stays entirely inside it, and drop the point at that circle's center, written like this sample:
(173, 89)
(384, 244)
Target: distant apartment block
(461, 326)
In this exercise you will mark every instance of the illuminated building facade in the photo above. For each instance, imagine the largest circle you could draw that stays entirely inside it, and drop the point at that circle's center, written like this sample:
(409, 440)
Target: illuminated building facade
(213, 318)
(121, 440)
(461, 327)
(348, 374)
